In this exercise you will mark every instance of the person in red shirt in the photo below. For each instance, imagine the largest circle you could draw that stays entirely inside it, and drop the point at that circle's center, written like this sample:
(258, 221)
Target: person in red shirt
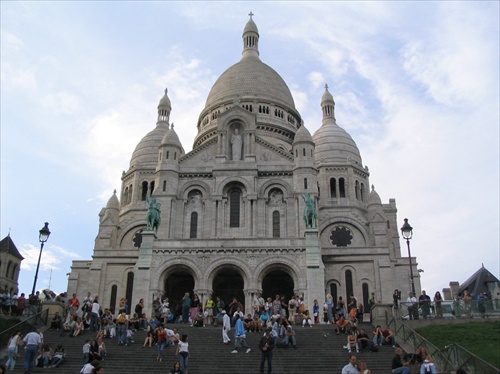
(162, 340)
(73, 305)
(21, 304)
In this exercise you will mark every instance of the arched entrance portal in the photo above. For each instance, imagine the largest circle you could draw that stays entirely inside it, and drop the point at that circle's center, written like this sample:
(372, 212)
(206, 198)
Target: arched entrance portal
(227, 284)
(277, 282)
(176, 285)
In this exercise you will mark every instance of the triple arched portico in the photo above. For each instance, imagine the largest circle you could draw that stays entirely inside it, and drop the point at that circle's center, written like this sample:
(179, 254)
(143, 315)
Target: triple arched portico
(228, 277)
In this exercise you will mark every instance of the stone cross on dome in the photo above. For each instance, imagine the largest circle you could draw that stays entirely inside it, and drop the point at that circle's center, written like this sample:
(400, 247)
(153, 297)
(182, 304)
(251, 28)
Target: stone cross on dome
(250, 14)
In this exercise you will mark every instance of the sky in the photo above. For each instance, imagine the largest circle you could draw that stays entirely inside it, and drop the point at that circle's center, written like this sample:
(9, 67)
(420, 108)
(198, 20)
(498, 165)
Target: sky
(416, 84)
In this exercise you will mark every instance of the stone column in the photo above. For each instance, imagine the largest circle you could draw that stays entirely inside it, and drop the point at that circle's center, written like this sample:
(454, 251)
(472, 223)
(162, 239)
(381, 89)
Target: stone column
(315, 270)
(142, 279)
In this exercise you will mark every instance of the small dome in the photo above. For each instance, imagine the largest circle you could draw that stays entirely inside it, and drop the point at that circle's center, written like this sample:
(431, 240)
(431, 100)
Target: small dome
(250, 26)
(302, 135)
(327, 97)
(165, 101)
(171, 138)
(335, 145)
(374, 198)
(146, 152)
(113, 202)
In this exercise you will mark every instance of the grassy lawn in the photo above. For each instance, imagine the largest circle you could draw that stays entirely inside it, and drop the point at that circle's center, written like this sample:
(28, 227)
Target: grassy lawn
(480, 338)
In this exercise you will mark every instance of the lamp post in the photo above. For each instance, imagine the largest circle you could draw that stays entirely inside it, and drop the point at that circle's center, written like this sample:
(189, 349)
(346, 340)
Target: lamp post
(43, 237)
(407, 232)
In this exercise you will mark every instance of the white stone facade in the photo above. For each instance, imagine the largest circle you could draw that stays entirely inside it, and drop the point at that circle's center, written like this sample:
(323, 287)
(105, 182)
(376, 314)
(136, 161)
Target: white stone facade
(231, 220)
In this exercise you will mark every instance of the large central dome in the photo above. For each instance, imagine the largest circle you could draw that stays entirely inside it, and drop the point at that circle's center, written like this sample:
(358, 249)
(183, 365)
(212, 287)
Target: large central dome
(250, 78)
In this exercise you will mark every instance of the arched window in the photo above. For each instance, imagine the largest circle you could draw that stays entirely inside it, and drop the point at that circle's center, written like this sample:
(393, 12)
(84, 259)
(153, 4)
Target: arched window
(164, 185)
(13, 275)
(333, 291)
(168, 153)
(304, 152)
(296, 153)
(234, 208)
(130, 287)
(366, 295)
(193, 228)
(348, 284)
(356, 190)
(276, 224)
(144, 193)
(388, 224)
(112, 300)
(125, 196)
(362, 192)
(9, 266)
(151, 187)
(333, 187)
(341, 187)
(305, 183)
(130, 195)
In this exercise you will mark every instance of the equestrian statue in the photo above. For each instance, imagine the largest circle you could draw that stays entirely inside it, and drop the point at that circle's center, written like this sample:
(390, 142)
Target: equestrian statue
(153, 214)
(310, 213)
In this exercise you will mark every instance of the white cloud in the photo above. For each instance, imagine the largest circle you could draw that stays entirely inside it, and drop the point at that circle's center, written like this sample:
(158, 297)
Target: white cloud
(10, 42)
(51, 259)
(63, 102)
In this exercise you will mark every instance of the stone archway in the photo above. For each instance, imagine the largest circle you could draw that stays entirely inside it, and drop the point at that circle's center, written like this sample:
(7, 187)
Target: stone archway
(277, 282)
(228, 284)
(176, 285)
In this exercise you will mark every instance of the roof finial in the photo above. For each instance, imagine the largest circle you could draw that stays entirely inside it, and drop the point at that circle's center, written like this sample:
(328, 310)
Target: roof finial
(373, 187)
(114, 192)
(326, 86)
(250, 14)
(166, 90)
(172, 126)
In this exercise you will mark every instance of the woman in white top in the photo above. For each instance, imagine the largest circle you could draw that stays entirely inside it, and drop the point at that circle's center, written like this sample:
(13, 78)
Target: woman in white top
(363, 368)
(14, 342)
(78, 327)
(183, 353)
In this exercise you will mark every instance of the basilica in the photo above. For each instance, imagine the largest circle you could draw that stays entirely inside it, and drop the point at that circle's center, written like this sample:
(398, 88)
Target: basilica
(258, 206)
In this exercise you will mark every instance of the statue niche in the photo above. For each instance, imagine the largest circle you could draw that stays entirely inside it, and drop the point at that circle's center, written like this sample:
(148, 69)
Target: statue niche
(236, 145)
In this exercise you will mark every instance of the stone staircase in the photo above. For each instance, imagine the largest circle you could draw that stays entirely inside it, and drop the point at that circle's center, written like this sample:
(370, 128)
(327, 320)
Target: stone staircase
(319, 350)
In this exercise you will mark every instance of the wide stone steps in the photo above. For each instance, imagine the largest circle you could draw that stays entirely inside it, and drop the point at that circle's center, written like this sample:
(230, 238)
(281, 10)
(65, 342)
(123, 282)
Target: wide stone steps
(319, 350)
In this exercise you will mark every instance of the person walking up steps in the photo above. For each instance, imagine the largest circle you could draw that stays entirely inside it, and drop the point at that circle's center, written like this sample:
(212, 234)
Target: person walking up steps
(266, 346)
(183, 353)
(226, 326)
(240, 338)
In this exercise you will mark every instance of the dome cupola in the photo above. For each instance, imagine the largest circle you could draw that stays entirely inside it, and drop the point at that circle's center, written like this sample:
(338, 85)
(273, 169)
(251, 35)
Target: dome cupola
(172, 139)
(333, 143)
(164, 108)
(146, 151)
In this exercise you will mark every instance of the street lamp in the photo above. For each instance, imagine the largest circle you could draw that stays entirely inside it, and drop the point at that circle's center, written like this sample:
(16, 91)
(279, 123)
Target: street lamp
(407, 232)
(43, 237)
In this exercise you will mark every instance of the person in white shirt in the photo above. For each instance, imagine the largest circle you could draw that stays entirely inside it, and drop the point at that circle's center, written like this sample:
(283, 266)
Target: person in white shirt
(411, 302)
(33, 345)
(351, 367)
(94, 315)
(226, 327)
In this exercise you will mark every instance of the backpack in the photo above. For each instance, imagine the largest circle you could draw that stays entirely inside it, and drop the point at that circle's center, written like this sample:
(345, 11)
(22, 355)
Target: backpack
(122, 318)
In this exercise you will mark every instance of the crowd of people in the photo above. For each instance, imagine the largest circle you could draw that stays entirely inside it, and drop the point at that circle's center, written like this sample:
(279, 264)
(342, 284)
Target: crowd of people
(274, 319)
(424, 307)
